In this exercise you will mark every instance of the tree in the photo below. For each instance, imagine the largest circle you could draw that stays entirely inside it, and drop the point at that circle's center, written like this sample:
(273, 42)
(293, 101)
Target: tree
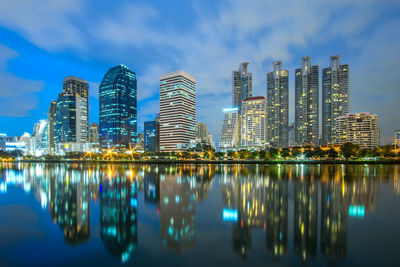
(263, 154)
(332, 153)
(273, 152)
(296, 152)
(308, 153)
(254, 154)
(349, 150)
(231, 154)
(285, 152)
(387, 151)
(219, 155)
(318, 152)
(244, 154)
(364, 153)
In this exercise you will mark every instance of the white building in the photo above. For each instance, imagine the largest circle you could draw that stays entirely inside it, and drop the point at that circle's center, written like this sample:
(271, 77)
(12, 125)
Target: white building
(253, 123)
(229, 139)
(358, 128)
(177, 111)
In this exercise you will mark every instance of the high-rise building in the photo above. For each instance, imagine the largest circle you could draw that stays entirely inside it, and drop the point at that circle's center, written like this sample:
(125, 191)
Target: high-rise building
(335, 97)
(52, 114)
(118, 108)
(202, 136)
(242, 85)
(307, 103)
(229, 139)
(278, 106)
(152, 136)
(71, 122)
(94, 133)
(201, 130)
(253, 123)
(177, 111)
(358, 128)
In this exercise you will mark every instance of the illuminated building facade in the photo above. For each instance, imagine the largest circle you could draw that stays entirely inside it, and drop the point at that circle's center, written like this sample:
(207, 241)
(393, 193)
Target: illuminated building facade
(151, 136)
(397, 139)
(307, 103)
(229, 139)
(335, 97)
(242, 85)
(278, 106)
(118, 108)
(52, 114)
(71, 118)
(253, 123)
(177, 111)
(358, 128)
(94, 133)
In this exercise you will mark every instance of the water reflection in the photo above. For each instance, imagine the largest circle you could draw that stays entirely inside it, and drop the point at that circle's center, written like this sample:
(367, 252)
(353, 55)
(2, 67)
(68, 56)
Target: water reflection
(307, 205)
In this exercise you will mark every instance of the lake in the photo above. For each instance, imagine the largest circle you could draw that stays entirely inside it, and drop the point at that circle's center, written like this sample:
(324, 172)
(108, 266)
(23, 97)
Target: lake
(199, 215)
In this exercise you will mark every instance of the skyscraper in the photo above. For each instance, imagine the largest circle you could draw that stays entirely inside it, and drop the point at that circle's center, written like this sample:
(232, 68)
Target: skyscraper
(177, 111)
(151, 141)
(94, 133)
(242, 85)
(307, 103)
(52, 114)
(229, 139)
(335, 97)
(71, 116)
(278, 106)
(118, 108)
(253, 123)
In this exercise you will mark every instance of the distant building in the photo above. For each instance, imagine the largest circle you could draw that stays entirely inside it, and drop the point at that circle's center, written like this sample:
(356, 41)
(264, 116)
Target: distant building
(152, 136)
(335, 97)
(242, 85)
(278, 106)
(94, 133)
(292, 136)
(140, 143)
(38, 143)
(307, 103)
(253, 123)
(118, 108)
(397, 139)
(202, 136)
(230, 139)
(359, 128)
(52, 114)
(177, 111)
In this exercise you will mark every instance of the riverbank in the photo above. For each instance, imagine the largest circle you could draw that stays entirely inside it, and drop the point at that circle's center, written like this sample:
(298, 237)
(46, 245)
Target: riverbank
(174, 161)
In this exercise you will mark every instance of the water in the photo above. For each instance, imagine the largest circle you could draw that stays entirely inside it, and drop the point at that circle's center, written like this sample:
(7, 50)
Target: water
(199, 215)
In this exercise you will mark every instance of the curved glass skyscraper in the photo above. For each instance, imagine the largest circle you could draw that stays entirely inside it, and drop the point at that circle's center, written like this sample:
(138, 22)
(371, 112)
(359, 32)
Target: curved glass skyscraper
(118, 108)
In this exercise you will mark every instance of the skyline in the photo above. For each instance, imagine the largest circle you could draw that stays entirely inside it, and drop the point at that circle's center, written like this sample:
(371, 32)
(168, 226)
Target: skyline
(207, 44)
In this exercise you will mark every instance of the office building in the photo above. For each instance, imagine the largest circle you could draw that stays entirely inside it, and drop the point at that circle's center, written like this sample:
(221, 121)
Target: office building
(278, 106)
(253, 123)
(307, 103)
(152, 136)
(358, 128)
(118, 108)
(229, 139)
(202, 136)
(94, 133)
(242, 85)
(335, 97)
(69, 117)
(177, 111)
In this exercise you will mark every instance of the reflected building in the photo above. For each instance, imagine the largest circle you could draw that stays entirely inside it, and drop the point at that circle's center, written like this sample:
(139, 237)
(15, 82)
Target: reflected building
(118, 215)
(306, 219)
(277, 217)
(69, 205)
(177, 212)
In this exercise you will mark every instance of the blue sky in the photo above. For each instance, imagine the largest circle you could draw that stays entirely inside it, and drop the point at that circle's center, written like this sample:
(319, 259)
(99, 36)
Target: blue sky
(41, 42)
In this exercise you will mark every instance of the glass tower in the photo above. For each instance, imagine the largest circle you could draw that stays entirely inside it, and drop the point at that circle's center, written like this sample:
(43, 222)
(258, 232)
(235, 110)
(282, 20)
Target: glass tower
(118, 108)
(307, 103)
(151, 136)
(335, 97)
(278, 106)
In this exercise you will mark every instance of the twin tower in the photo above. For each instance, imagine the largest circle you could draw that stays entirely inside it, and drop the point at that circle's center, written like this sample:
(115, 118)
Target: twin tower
(269, 116)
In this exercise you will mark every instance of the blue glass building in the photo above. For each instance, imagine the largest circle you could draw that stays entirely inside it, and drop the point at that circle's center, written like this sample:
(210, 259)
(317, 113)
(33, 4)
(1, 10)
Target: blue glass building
(151, 136)
(118, 108)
